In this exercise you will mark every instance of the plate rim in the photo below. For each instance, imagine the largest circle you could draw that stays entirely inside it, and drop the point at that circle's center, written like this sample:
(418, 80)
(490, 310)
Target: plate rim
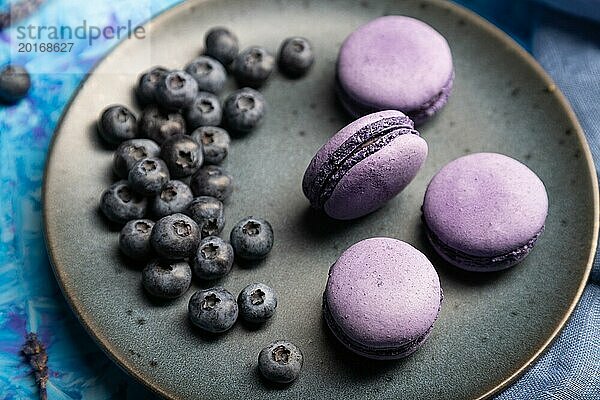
(474, 18)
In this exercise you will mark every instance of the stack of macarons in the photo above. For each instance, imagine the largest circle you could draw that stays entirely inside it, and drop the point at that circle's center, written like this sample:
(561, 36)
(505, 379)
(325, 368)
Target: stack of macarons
(481, 212)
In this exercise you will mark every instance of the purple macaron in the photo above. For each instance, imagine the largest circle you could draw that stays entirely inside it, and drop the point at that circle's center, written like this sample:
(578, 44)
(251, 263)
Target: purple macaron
(395, 63)
(364, 165)
(382, 298)
(484, 211)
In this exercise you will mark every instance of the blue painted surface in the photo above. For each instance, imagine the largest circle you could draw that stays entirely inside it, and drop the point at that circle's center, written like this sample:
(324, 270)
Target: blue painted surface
(29, 296)
(30, 299)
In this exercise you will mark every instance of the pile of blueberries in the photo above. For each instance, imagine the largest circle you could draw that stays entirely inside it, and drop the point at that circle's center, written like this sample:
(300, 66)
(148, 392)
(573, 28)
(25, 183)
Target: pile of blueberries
(168, 163)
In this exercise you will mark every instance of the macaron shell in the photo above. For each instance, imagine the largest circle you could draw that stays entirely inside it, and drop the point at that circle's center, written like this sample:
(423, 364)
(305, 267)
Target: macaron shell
(378, 178)
(394, 62)
(326, 151)
(485, 204)
(419, 116)
(383, 293)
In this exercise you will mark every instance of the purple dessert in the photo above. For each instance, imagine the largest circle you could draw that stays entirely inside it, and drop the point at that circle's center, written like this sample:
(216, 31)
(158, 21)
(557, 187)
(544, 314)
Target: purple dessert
(382, 298)
(395, 63)
(364, 165)
(484, 211)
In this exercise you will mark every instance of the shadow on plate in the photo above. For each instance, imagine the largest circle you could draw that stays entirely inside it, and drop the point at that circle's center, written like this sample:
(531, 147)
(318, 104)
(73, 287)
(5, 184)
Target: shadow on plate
(357, 367)
(205, 336)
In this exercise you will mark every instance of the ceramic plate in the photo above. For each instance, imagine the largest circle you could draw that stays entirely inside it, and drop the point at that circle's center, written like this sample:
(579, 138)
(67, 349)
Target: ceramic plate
(491, 327)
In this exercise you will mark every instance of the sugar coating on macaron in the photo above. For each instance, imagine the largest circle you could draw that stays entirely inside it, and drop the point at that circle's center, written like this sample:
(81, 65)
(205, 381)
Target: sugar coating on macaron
(395, 63)
(485, 211)
(364, 165)
(382, 298)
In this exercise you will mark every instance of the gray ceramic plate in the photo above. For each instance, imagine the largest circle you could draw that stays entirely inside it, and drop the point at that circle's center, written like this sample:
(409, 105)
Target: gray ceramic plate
(491, 326)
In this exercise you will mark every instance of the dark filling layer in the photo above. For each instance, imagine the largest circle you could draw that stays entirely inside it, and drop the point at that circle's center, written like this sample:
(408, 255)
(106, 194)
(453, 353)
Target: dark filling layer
(365, 142)
(418, 115)
(470, 261)
(380, 352)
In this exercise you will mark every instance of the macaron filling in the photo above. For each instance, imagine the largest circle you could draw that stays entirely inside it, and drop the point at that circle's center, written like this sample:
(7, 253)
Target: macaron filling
(364, 143)
(481, 263)
(418, 115)
(390, 352)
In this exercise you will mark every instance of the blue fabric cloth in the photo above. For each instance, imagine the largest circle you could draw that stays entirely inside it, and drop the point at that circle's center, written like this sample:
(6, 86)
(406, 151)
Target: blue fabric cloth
(567, 46)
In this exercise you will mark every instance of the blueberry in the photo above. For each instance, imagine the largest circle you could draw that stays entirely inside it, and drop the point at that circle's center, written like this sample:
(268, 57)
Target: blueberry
(131, 151)
(14, 83)
(252, 238)
(205, 110)
(159, 125)
(167, 279)
(215, 143)
(295, 57)
(121, 204)
(175, 237)
(212, 180)
(182, 154)
(176, 90)
(257, 303)
(214, 258)
(208, 73)
(148, 176)
(147, 84)
(253, 66)
(213, 310)
(243, 110)
(175, 197)
(281, 361)
(134, 239)
(208, 213)
(117, 124)
(221, 45)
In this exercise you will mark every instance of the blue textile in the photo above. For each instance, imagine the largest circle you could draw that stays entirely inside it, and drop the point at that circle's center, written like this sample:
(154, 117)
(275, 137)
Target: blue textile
(568, 47)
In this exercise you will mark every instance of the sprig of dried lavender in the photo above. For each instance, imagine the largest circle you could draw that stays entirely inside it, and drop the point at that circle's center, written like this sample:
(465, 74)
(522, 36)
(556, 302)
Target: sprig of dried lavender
(35, 353)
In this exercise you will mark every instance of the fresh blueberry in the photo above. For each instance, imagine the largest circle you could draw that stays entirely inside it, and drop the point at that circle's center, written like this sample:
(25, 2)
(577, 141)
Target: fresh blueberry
(175, 237)
(212, 180)
(295, 57)
(159, 125)
(182, 154)
(281, 361)
(252, 238)
(208, 213)
(147, 84)
(243, 110)
(208, 73)
(253, 66)
(175, 197)
(131, 151)
(221, 45)
(213, 310)
(117, 124)
(214, 258)
(176, 90)
(121, 204)
(205, 110)
(14, 83)
(257, 303)
(167, 279)
(134, 239)
(148, 176)
(215, 143)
